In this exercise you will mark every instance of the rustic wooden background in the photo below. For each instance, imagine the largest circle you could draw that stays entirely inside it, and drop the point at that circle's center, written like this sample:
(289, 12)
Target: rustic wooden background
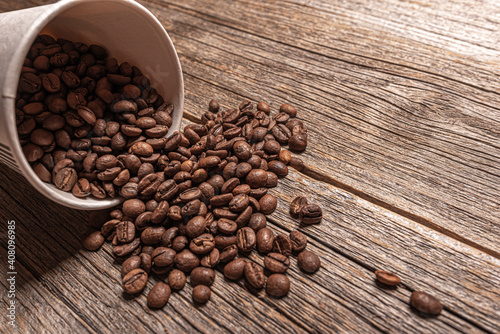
(401, 99)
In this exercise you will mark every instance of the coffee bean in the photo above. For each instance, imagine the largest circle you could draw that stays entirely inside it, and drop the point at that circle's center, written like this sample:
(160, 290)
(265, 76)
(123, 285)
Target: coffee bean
(265, 240)
(176, 279)
(308, 261)
(201, 294)
(125, 232)
(66, 179)
(242, 150)
(30, 83)
(246, 239)
(228, 253)
(202, 244)
(159, 295)
(239, 203)
(93, 241)
(202, 276)
(257, 221)
(425, 303)
(135, 281)
(152, 235)
(186, 260)
(387, 278)
(282, 244)
(298, 240)
(297, 205)
(311, 214)
(195, 226)
(133, 207)
(133, 262)
(212, 259)
(268, 204)
(277, 285)
(276, 263)
(297, 143)
(254, 275)
(281, 133)
(234, 270)
(256, 178)
(163, 256)
(278, 168)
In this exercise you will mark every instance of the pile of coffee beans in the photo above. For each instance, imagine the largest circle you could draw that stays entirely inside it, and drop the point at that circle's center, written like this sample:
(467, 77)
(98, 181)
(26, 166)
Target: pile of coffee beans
(420, 301)
(87, 123)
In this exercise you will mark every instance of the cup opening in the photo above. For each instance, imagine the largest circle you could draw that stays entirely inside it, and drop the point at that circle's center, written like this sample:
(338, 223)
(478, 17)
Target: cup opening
(129, 32)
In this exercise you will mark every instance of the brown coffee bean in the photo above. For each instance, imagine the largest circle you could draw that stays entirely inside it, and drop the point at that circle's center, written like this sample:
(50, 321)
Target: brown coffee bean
(242, 150)
(277, 285)
(298, 142)
(66, 179)
(202, 244)
(93, 241)
(42, 172)
(209, 162)
(256, 178)
(202, 276)
(211, 259)
(278, 168)
(246, 239)
(186, 260)
(226, 226)
(228, 253)
(308, 261)
(297, 163)
(201, 294)
(152, 235)
(196, 226)
(425, 303)
(141, 149)
(276, 263)
(133, 207)
(234, 270)
(42, 137)
(30, 83)
(265, 240)
(238, 203)
(298, 240)
(135, 281)
(176, 279)
(297, 205)
(254, 275)
(311, 214)
(163, 256)
(282, 244)
(387, 278)
(133, 262)
(159, 295)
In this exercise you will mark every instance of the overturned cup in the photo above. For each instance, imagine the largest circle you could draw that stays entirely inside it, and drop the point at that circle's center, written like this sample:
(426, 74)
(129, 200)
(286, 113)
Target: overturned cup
(126, 29)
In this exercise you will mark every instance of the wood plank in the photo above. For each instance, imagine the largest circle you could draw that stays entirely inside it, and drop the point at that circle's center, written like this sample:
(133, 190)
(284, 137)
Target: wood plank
(424, 143)
(88, 283)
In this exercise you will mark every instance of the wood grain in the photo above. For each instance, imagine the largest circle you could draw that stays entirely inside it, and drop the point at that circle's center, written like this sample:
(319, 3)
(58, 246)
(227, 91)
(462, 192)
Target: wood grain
(410, 125)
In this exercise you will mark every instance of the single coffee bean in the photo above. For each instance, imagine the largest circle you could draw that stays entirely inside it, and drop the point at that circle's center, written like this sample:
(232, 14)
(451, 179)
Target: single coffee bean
(66, 179)
(239, 203)
(265, 240)
(311, 214)
(93, 241)
(387, 278)
(226, 226)
(276, 263)
(297, 163)
(133, 207)
(196, 226)
(246, 239)
(298, 240)
(425, 303)
(133, 262)
(228, 253)
(256, 178)
(308, 261)
(152, 235)
(257, 221)
(202, 276)
(159, 295)
(186, 261)
(201, 294)
(298, 142)
(277, 285)
(179, 243)
(202, 244)
(234, 270)
(268, 204)
(282, 244)
(278, 168)
(163, 256)
(176, 279)
(297, 205)
(125, 232)
(211, 259)
(135, 281)
(254, 275)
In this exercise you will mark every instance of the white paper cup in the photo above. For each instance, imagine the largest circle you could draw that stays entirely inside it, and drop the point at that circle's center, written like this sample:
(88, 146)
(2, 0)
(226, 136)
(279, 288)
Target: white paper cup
(125, 28)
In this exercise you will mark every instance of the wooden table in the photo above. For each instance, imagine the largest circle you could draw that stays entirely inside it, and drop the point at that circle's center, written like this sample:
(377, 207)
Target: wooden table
(401, 99)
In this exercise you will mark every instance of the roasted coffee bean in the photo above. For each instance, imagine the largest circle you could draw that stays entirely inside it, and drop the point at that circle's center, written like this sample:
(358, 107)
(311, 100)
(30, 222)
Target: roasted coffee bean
(256, 178)
(66, 179)
(278, 168)
(246, 239)
(226, 226)
(277, 285)
(223, 241)
(425, 303)
(135, 281)
(228, 253)
(93, 241)
(133, 262)
(202, 244)
(254, 275)
(268, 204)
(179, 243)
(311, 214)
(298, 240)
(195, 226)
(43, 173)
(297, 163)
(276, 263)
(201, 294)
(133, 207)
(209, 162)
(242, 189)
(297, 205)
(152, 235)
(202, 276)
(229, 185)
(387, 278)
(297, 142)
(282, 244)
(308, 261)
(159, 295)
(265, 240)
(242, 150)
(176, 279)
(257, 221)
(239, 203)
(281, 133)
(211, 259)
(235, 269)
(186, 261)
(125, 232)
(163, 256)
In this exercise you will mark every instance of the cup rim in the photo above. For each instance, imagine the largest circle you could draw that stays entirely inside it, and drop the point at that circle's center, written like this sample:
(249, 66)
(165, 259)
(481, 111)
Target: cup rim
(9, 96)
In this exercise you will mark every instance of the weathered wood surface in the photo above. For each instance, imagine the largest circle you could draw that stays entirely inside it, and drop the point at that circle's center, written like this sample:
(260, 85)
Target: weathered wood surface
(401, 103)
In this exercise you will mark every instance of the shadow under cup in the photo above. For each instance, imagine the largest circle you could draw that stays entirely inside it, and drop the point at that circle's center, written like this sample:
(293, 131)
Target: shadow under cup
(127, 30)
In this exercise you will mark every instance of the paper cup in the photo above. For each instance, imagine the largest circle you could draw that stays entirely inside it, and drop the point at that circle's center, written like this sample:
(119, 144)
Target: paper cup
(125, 28)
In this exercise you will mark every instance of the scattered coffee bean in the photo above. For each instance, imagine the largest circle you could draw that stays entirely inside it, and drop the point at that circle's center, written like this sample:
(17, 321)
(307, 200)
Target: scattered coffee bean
(308, 261)
(311, 214)
(387, 278)
(135, 281)
(425, 303)
(201, 294)
(93, 241)
(277, 285)
(159, 295)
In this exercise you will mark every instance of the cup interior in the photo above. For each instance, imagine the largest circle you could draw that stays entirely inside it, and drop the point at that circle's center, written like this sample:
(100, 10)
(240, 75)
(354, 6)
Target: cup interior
(130, 33)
